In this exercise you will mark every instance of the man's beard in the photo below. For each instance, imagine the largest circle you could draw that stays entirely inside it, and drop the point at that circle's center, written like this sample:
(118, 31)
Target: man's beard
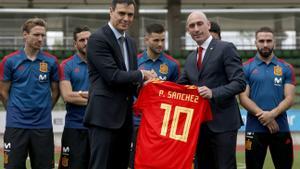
(155, 51)
(265, 54)
(82, 52)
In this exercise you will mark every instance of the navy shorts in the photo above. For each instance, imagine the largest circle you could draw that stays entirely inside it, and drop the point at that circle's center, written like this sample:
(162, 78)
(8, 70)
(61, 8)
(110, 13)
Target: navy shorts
(75, 149)
(38, 143)
(280, 146)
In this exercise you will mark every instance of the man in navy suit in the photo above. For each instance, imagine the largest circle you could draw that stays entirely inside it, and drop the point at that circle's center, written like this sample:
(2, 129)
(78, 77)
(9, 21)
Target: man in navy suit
(217, 69)
(114, 79)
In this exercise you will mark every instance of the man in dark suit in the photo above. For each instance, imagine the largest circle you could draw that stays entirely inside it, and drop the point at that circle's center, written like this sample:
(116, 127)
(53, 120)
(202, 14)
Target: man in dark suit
(114, 79)
(217, 69)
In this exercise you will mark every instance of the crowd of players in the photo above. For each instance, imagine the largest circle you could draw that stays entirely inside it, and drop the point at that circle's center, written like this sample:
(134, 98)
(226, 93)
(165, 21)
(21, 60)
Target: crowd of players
(99, 88)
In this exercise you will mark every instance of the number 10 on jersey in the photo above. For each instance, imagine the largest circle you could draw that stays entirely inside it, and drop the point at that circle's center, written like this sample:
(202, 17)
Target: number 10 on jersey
(177, 111)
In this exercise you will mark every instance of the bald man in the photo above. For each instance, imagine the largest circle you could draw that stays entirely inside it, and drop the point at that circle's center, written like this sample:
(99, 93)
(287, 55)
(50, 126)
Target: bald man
(216, 68)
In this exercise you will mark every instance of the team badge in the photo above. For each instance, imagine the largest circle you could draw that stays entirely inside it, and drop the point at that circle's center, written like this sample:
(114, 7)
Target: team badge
(255, 71)
(76, 70)
(65, 161)
(288, 141)
(43, 67)
(248, 144)
(163, 69)
(277, 71)
(5, 158)
(52, 163)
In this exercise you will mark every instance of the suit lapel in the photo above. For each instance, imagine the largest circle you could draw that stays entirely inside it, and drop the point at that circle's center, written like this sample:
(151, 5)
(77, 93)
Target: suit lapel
(210, 48)
(193, 61)
(114, 43)
(208, 55)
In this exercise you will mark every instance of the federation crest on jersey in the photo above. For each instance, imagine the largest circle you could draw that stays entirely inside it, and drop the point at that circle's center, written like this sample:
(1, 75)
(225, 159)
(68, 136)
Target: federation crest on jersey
(65, 161)
(5, 158)
(277, 71)
(43, 67)
(163, 69)
(248, 144)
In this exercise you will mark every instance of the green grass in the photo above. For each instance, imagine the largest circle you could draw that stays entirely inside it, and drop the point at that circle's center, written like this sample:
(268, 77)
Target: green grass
(240, 160)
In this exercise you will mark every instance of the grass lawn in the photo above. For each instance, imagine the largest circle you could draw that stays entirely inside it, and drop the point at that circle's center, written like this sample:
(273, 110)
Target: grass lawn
(240, 160)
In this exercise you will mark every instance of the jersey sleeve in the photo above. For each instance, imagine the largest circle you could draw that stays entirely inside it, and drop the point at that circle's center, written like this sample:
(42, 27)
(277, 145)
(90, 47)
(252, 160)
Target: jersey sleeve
(5, 70)
(290, 75)
(140, 101)
(65, 71)
(175, 73)
(246, 72)
(55, 71)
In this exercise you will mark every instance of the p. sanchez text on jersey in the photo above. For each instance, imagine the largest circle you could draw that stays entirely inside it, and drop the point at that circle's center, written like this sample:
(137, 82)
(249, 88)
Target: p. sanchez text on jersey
(179, 96)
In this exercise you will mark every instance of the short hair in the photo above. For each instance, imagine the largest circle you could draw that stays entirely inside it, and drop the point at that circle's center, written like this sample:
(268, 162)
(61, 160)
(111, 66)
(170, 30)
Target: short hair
(155, 28)
(128, 2)
(32, 22)
(264, 29)
(79, 29)
(199, 13)
(214, 27)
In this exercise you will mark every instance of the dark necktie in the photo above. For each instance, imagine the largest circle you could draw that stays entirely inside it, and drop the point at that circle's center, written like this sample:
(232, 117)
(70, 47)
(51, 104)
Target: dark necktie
(199, 61)
(121, 43)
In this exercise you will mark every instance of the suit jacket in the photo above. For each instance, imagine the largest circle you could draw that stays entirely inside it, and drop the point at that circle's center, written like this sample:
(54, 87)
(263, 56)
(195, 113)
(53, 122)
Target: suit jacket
(221, 72)
(111, 86)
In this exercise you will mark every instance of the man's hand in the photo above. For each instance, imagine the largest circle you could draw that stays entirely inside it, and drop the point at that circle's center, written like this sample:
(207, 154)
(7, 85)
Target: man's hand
(265, 117)
(84, 94)
(148, 75)
(205, 92)
(273, 127)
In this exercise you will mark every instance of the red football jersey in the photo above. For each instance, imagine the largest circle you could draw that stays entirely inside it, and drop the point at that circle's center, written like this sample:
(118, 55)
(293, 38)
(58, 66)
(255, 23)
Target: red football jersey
(169, 129)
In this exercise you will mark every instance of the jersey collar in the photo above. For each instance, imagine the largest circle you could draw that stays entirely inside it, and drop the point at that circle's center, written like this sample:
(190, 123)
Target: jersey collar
(259, 61)
(145, 57)
(78, 59)
(38, 57)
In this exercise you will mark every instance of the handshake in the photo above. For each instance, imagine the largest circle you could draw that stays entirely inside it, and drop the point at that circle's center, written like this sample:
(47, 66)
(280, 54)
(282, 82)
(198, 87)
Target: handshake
(149, 75)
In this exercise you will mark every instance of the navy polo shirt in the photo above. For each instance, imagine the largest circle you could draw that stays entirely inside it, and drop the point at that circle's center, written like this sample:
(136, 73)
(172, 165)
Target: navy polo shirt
(29, 104)
(165, 66)
(75, 70)
(266, 83)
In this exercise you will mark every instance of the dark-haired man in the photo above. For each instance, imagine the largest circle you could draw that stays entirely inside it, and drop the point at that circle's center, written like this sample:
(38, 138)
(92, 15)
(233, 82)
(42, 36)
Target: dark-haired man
(74, 85)
(269, 94)
(114, 78)
(154, 59)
